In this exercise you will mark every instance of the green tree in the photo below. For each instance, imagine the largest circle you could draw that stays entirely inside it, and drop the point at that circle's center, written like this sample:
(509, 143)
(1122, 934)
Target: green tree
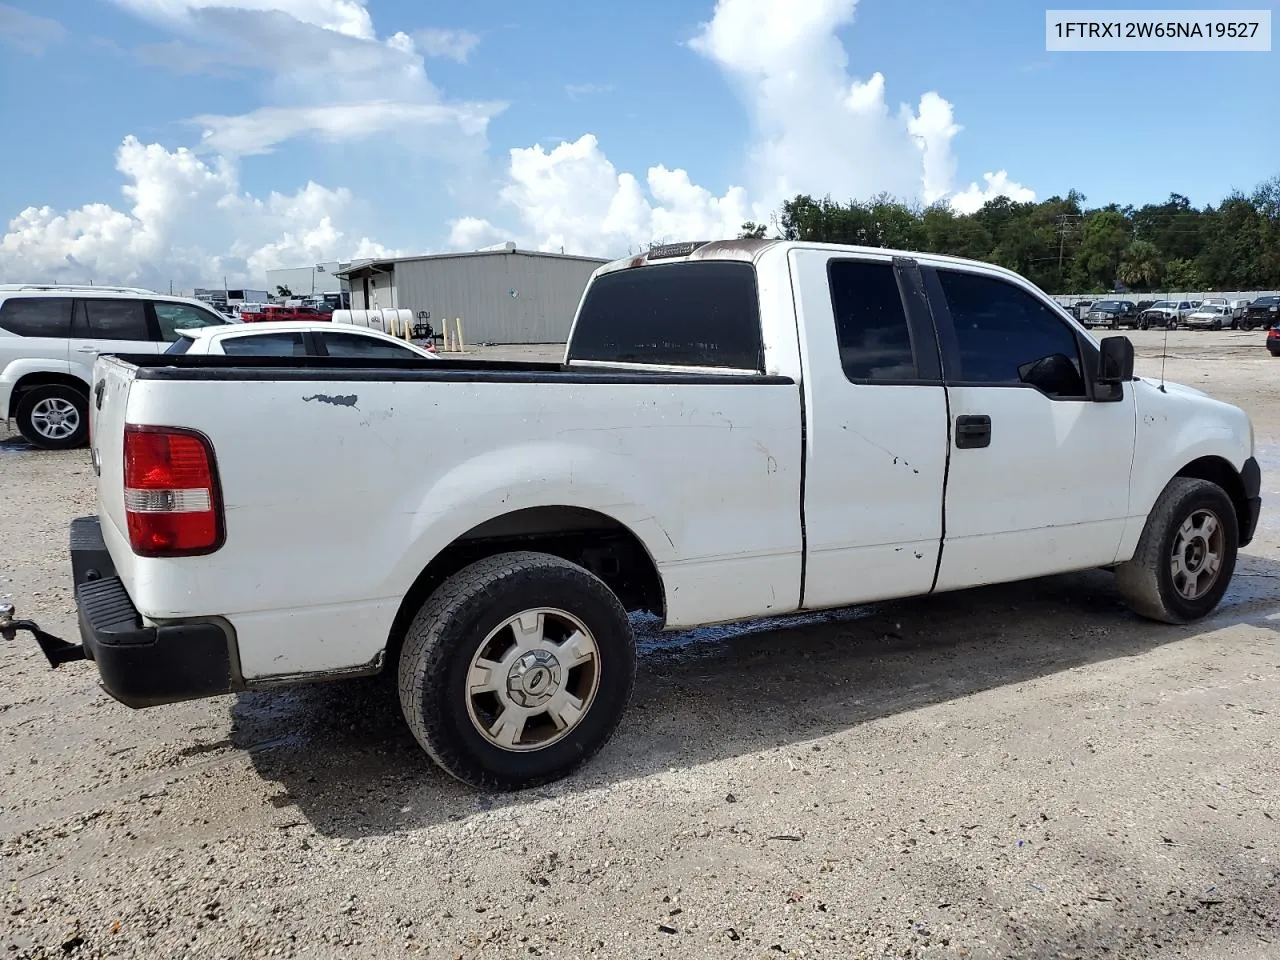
(752, 231)
(1102, 245)
(1140, 267)
(283, 291)
(1182, 276)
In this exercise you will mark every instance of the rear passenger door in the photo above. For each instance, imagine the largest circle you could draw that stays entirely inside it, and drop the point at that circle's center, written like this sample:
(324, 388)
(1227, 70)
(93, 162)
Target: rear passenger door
(1038, 481)
(105, 325)
(876, 429)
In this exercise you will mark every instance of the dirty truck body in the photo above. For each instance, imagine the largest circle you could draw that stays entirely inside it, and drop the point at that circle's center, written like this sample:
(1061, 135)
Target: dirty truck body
(739, 430)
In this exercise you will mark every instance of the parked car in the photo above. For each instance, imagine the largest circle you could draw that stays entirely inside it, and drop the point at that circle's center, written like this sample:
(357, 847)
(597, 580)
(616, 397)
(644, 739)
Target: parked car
(50, 335)
(1209, 316)
(709, 451)
(1111, 313)
(1273, 340)
(1238, 309)
(1164, 313)
(1263, 312)
(1142, 305)
(295, 338)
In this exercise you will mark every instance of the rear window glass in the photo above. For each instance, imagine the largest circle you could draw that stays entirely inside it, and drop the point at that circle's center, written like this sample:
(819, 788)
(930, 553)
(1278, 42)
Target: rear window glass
(37, 316)
(682, 314)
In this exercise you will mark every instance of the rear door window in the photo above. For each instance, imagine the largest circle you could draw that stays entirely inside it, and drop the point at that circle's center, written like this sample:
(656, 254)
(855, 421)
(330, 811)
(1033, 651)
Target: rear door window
(112, 320)
(701, 314)
(871, 324)
(265, 345)
(37, 316)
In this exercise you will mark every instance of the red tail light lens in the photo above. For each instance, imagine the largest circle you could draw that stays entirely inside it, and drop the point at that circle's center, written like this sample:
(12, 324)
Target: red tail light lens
(171, 496)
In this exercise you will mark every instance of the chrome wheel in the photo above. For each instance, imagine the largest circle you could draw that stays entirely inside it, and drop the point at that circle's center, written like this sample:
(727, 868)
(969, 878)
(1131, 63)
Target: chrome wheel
(55, 418)
(533, 679)
(1198, 550)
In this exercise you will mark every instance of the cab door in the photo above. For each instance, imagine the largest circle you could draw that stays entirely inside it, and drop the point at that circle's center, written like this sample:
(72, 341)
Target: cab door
(875, 432)
(1039, 471)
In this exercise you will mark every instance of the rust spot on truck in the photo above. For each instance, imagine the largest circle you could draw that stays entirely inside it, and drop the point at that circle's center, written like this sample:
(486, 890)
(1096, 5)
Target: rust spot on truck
(343, 400)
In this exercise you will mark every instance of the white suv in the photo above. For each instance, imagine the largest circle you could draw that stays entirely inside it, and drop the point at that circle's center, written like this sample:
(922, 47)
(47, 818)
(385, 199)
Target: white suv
(51, 334)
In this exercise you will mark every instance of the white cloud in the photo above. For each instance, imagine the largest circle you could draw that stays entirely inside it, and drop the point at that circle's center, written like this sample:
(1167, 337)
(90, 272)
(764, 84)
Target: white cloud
(816, 129)
(444, 128)
(471, 233)
(187, 223)
(28, 33)
(453, 44)
(326, 73)
(348, 17)
(572, 197)
(971, 199)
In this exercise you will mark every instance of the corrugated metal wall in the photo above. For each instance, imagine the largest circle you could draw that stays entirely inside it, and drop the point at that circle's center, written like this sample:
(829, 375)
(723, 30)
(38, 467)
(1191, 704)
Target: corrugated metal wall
(501, 297)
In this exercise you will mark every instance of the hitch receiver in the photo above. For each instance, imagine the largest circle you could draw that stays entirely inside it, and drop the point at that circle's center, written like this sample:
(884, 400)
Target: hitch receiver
(56, 650)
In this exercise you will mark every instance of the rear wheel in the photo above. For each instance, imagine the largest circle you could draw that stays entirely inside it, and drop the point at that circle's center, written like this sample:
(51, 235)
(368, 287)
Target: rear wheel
(516, 670)
(1186, 555)
(55, 417)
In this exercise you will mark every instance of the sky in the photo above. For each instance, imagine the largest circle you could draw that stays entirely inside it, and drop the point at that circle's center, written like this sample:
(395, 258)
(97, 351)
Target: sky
(179, 142)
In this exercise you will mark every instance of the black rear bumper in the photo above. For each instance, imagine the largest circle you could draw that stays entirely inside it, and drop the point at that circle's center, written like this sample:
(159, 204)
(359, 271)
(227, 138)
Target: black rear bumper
(142, 666)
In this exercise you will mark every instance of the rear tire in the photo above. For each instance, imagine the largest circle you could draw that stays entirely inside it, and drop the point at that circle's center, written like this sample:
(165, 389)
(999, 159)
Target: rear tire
(517, 670)
(1186, 555)
(54, 417)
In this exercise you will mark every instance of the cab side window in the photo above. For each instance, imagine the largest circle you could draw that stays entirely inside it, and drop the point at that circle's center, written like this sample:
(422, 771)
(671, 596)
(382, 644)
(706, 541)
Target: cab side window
(1007, 336)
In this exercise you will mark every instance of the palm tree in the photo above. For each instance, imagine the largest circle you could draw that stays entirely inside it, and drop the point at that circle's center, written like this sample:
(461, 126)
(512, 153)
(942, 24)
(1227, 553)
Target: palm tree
(1140, 266)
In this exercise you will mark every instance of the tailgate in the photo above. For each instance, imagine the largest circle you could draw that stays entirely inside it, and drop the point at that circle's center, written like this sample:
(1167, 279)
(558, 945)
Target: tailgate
(108, 404)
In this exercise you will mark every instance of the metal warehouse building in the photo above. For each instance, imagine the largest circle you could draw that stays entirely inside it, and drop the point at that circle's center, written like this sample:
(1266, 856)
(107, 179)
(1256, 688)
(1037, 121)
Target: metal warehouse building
(502, 295)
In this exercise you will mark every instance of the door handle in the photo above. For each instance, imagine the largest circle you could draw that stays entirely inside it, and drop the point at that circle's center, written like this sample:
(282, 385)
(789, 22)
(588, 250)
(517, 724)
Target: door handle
(973, 431)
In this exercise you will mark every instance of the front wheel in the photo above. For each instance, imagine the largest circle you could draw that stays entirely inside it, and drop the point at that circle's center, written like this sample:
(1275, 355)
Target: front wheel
(54, 417)
(516, 670)
(1186, 555)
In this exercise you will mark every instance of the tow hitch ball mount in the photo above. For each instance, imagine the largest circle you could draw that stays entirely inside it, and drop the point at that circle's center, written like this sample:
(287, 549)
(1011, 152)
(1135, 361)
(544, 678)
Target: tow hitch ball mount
(56, 650)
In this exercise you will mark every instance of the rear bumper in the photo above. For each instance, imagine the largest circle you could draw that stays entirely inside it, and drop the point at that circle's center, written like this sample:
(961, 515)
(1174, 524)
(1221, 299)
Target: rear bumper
(1251, 477)
(143, 666)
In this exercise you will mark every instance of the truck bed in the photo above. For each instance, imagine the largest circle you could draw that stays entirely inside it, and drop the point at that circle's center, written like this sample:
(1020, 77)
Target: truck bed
(341, 479)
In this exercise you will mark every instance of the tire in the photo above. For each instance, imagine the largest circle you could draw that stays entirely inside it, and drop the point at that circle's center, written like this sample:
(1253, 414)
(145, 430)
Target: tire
(468, 622)
(1148, 582)
(54, 417)
(1246, 325)
(1172, 325)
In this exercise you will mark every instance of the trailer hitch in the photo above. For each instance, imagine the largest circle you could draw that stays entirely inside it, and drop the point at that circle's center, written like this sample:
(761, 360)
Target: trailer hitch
(56, 650)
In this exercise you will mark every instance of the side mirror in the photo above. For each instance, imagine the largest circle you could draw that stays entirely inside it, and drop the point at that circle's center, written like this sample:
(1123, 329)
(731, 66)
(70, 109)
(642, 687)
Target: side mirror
(1115, 366)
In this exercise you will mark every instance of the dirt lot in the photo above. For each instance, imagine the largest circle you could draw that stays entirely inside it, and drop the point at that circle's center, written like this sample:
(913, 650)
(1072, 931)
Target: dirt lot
(1023, 771)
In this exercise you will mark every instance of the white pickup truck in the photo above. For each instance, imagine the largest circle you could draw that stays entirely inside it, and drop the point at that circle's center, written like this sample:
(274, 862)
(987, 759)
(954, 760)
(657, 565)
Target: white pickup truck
(739, 429)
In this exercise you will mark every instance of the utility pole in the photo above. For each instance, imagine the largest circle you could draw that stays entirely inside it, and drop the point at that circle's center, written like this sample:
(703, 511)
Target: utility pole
(1063, 220)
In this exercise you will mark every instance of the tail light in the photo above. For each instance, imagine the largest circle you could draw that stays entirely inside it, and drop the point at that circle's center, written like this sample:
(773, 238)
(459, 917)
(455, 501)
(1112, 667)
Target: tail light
(171, 496)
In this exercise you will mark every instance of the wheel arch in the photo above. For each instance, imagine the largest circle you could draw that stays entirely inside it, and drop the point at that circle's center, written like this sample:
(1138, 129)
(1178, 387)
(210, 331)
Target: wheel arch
(42, 378)
(592, 539)
(1219, 471)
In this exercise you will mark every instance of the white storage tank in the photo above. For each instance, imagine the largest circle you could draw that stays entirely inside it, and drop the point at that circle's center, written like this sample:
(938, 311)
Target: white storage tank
(398, 323)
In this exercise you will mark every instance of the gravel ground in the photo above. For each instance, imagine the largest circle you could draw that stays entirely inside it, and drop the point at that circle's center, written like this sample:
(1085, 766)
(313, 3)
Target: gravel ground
(1021, 771)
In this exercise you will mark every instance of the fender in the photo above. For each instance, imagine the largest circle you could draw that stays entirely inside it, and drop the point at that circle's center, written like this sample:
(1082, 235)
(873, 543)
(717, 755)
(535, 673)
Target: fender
(25, 367)
(1176, 427)
(540, 474)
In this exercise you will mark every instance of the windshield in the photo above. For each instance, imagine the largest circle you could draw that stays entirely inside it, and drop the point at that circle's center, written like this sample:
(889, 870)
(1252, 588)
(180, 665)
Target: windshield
(1161, 304)
(1267, 302)
(1107, 305)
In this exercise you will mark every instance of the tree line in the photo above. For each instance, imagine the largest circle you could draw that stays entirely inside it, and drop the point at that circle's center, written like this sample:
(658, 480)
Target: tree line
(1063, 246)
